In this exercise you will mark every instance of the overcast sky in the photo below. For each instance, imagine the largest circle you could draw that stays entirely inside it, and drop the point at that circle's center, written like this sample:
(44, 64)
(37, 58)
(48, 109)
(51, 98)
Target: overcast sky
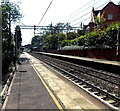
(72, 11)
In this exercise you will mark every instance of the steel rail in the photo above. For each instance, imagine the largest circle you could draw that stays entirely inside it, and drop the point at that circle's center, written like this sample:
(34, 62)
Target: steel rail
(92, 87)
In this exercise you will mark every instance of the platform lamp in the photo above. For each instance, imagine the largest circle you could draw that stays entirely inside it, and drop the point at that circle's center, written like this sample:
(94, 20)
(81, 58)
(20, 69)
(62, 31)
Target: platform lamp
(117, 51)
(34, 29)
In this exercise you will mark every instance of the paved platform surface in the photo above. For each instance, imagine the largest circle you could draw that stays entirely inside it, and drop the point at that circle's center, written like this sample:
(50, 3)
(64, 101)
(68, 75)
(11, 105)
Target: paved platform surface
(103, 61)
(27, 91)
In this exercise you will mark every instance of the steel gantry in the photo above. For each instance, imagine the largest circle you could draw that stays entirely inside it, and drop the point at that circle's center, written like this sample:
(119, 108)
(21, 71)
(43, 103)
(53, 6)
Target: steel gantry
(34, 27)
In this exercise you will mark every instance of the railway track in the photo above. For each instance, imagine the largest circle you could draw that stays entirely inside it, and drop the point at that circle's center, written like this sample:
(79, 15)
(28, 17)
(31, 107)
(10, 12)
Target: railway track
(103, 85)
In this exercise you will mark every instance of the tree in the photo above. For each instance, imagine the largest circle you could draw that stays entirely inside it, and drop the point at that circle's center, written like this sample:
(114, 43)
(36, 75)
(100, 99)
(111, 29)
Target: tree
(80, 32)
(53, 37)
(35, 41)
(59, 28)
(99, 22)
(62, 27)
(68, 27)
(10, 14)
(71, 35)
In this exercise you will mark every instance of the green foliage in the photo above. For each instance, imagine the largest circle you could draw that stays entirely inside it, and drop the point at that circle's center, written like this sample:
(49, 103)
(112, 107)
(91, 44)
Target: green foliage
(10, 13)
(99, 21)
(72, 35)
(111, 33)
(99, 38)
(80, 32)
(65, 43)
(35, 41)
(78, 41)
(56, 36)
(59, 28)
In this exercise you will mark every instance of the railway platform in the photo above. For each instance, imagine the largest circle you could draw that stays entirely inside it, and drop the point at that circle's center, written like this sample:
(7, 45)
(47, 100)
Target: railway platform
(101, 64)
(36, 86)
(27, 91)
(115, 63)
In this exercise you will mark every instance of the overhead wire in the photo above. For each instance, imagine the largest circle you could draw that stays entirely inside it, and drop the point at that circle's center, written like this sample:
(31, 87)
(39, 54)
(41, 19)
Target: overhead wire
(86, 14)
(82, 21)
(80, 17)
(77, 10)
(83, 10)
(45, 13)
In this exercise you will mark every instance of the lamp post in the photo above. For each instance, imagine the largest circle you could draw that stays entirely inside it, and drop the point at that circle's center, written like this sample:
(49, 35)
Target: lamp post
(34, 29)
(117, 51)
(16, 42)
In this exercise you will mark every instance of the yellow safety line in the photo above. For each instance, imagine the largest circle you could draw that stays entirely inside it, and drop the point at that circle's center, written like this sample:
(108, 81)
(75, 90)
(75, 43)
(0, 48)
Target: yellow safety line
(49, 91)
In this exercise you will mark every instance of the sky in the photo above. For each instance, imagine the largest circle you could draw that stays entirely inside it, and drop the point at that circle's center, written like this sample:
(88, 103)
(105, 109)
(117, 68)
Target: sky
(72, 11)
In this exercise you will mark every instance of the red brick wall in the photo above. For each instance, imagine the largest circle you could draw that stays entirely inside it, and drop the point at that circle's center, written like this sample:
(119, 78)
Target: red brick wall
(108, 54)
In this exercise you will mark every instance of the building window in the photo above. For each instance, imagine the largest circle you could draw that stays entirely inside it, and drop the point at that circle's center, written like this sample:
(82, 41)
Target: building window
(110, 16)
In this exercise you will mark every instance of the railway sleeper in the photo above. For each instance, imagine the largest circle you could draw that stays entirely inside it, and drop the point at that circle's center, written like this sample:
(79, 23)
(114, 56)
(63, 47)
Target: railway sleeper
(88, 88)
(103, 97)
(77, 81)
(111, 101)
(83, 85)
(95, 92)
(80, 83)
(72, 78)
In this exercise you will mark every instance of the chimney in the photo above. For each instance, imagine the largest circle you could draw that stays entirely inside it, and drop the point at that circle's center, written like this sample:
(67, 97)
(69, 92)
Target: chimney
(92, 9)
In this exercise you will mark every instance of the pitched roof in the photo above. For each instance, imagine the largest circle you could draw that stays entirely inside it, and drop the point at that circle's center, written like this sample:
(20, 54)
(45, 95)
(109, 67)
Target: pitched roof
(111, 3)
(118, 6)
(96, 12)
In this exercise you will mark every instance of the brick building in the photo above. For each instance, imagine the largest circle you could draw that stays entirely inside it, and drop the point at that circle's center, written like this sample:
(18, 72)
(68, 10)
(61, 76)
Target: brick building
(110, 12)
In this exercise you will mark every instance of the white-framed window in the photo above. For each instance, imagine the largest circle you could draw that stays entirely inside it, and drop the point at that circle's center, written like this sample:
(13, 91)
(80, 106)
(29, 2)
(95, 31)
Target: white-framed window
(110, 16)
